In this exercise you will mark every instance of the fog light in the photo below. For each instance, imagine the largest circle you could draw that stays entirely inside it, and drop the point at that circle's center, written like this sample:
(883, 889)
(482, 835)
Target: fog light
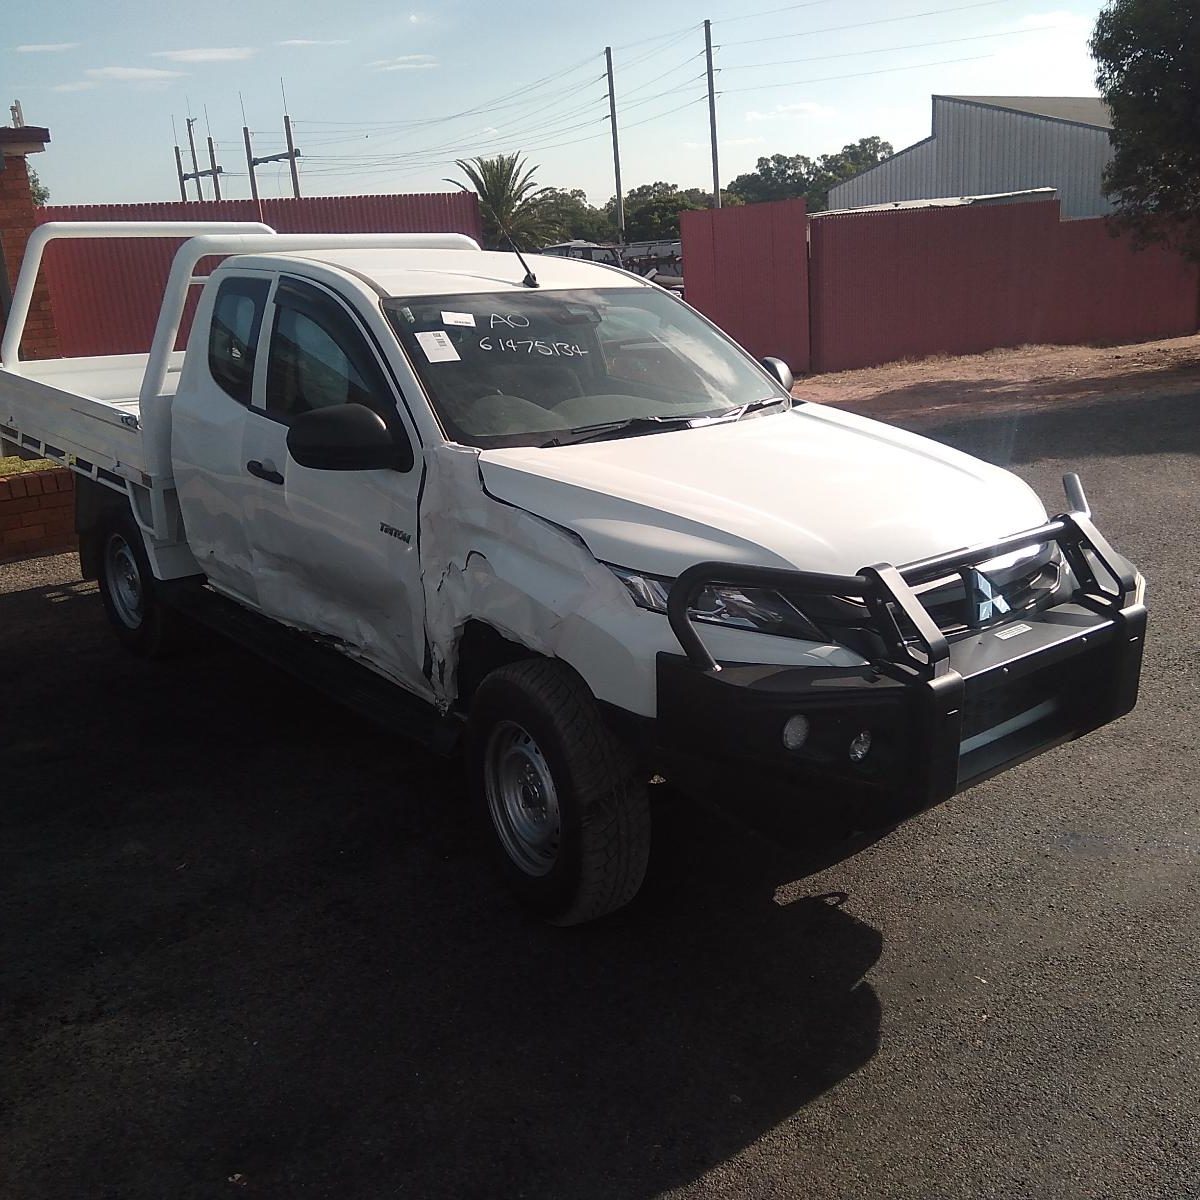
(795, 732)
(860, 746)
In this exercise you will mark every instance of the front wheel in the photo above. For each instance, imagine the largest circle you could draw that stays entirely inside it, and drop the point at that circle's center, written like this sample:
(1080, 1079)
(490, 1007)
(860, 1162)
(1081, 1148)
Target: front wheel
(570, 817)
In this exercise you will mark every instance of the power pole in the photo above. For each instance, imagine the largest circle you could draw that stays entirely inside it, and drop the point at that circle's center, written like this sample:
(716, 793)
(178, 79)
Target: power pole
(251, 162)
(292, 155)
(612, 120)
(712, 114)
(216, 171)
(195, 161)
(179, 172)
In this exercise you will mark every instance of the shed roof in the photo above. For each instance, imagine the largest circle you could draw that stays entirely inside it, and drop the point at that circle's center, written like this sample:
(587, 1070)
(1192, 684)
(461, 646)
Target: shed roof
(1082, 110)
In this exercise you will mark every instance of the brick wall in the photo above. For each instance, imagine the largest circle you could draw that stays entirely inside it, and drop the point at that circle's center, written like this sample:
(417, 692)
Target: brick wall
(37, 513)
(18, 217)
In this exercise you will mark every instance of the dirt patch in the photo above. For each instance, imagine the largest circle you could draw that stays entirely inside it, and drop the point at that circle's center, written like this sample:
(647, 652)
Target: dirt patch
(1013, 380)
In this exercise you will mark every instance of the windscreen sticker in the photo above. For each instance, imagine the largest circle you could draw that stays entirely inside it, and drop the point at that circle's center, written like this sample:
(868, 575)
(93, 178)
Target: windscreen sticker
(457, 318)
(438, 347)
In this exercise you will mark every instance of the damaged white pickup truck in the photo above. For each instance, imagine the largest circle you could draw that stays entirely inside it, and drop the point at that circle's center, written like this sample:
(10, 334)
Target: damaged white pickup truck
(566, 521)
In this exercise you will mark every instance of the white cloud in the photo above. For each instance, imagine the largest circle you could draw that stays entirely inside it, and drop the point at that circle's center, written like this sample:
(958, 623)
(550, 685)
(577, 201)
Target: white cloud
(791, 112)
(215, 54)
(132, 74)
(47, 47)
(405, 62)
(82, 85)
(417, 18)
(315, 42)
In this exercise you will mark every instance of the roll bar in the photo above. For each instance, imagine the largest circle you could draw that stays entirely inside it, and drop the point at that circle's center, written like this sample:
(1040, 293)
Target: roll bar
(194, 249)
(52, 230)
(204, 238)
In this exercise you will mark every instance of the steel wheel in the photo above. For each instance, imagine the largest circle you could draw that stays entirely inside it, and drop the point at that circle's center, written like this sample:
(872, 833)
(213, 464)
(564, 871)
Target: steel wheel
(522, 799)
(123, 579)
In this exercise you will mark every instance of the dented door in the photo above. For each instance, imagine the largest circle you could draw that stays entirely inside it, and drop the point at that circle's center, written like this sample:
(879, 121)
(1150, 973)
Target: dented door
(335, 552)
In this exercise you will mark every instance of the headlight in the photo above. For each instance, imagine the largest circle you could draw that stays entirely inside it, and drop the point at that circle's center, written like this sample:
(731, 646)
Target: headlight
(759, 609)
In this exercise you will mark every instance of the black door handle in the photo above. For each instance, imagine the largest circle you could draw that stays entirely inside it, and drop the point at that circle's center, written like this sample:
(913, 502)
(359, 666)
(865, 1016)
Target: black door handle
(256, 468)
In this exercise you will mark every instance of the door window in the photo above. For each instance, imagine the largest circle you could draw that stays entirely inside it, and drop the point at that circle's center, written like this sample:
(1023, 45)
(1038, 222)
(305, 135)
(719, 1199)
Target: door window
(233, 335)
(318, 358)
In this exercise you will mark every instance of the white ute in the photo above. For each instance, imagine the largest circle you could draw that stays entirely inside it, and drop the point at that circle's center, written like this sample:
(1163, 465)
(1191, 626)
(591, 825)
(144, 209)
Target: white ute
(568, 519)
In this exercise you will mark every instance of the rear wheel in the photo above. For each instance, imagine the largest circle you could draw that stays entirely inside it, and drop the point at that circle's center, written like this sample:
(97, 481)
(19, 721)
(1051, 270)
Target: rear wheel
(570, 817)
(128, 590)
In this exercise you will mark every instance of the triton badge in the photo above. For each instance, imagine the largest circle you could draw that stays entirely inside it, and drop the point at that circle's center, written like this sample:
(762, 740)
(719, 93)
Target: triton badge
(392, 531)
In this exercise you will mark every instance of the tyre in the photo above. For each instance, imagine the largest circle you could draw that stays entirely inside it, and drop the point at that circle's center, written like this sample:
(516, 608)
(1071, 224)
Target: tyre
(569, 815)
(128, 590)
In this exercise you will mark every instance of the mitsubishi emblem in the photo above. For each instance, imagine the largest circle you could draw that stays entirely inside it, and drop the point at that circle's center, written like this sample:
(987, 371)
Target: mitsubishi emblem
(984, 599)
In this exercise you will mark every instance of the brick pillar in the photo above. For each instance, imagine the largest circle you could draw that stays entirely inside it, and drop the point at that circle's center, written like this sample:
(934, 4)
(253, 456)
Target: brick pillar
(18, 218)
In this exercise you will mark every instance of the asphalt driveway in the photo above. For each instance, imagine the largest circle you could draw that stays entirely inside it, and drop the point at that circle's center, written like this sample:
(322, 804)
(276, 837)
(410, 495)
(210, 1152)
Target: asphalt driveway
(248, 947)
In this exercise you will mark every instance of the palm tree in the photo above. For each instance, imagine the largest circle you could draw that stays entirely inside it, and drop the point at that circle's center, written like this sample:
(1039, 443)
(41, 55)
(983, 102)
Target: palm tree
(509, 200)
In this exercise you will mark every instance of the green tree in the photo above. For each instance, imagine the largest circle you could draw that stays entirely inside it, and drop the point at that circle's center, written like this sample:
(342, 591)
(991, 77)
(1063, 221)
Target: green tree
(1148, 71)
(847, 162)
(788, 177)
(652, 210)
(779, 177)
(576, 218)
(39, 191)
(509, 200)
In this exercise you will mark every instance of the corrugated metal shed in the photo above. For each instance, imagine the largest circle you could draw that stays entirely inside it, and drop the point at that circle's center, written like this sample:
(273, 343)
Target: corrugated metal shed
(1030, 196)
(987, 144)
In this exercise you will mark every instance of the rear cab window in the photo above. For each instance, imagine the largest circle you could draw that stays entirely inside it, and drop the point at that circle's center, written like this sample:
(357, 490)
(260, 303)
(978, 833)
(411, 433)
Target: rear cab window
(233, 334)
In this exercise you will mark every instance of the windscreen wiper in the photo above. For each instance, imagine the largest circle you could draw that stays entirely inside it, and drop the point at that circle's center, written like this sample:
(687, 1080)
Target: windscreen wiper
(745, 410)
(629, 425)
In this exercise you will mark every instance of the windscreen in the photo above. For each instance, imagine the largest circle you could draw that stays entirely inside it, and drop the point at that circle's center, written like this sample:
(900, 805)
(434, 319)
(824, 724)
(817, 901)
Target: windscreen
(528, 368)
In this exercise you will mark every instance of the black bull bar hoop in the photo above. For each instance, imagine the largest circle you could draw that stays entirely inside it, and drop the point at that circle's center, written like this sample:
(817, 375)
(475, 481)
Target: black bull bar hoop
(887, 590)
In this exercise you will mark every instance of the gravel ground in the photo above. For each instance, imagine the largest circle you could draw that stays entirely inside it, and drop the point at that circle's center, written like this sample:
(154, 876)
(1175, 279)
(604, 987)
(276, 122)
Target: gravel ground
(248, 948)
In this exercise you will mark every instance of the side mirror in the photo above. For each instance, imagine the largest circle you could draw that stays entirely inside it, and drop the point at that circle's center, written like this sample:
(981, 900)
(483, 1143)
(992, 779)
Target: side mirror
(347, 437)
(779, 370)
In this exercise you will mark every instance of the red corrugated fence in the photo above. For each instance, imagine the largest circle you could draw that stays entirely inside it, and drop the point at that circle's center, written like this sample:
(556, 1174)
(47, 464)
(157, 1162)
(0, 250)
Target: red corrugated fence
(106, 294)
(746, 268)
(915, 282)
(826, 293)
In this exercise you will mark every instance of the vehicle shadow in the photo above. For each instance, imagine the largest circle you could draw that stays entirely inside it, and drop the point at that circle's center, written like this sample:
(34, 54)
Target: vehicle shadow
(250, 945)
(1143, 423)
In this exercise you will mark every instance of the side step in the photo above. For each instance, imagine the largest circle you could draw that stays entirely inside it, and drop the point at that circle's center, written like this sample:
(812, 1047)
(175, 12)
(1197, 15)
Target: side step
(320, 666)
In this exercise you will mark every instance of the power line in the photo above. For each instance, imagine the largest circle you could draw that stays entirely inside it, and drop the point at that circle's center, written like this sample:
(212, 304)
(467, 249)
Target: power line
(763, 87)
(419, 168)
(661, 75)
(641, 58)
(782, 62)
(769, 12)
(555, 127)
(682, 29)
(933, 12)
(486, 105)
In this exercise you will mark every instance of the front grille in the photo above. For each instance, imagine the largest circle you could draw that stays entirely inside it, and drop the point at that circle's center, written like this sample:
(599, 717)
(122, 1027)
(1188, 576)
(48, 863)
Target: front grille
(847, 620)
(947, 603)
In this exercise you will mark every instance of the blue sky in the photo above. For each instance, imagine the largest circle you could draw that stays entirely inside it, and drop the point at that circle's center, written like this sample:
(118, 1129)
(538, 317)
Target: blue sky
(374, 89)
